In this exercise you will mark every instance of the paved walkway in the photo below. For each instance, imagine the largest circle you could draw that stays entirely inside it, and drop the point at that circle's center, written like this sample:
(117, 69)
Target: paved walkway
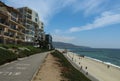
(22, 69)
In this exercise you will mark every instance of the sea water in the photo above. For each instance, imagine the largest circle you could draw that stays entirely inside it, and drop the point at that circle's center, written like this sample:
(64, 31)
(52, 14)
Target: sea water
(109, 56)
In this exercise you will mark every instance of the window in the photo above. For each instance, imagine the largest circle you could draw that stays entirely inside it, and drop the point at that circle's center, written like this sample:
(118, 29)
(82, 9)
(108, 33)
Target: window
(35, 19)
(36, 15)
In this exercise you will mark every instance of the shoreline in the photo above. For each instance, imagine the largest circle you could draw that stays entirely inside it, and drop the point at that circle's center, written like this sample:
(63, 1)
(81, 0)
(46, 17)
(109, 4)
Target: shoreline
(96, 68)
(107, 63)
(103, 62)
(102, 71)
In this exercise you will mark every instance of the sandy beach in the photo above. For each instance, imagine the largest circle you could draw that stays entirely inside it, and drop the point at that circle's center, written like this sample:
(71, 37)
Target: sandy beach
(50, 70)
(97, 69)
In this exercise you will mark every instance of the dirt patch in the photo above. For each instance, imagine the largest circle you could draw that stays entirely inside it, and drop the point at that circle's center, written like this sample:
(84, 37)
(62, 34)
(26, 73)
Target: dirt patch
(50, 70)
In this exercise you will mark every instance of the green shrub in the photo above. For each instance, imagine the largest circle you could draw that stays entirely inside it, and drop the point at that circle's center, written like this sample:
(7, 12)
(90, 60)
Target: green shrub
(68, 70)
(5, 46)
(34, 49)
(24, 53)
(19, 51)
(6, 56)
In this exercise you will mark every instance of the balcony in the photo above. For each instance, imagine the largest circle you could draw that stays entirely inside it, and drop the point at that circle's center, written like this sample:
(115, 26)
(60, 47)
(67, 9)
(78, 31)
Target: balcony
(29, 16)
(5, 13)
(20, 37)
(6, 33)
(29, 11)
(3, 21)
(20, 21)
(14, 14)
(13, 27)
(23, 31)
(9, 34)
(17, 37)
(14, 19)
(1, 32)
(23, 38)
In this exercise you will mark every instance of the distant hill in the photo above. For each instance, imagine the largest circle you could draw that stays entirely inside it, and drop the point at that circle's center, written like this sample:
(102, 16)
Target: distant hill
(67, 45)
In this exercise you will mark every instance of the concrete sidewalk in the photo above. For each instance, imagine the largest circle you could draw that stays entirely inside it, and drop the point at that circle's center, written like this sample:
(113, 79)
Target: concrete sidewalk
(22, 69)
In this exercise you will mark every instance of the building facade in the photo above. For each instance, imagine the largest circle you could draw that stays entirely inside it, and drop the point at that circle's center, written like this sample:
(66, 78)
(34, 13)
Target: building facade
(22, 25)
(31, 22)
(11, 26)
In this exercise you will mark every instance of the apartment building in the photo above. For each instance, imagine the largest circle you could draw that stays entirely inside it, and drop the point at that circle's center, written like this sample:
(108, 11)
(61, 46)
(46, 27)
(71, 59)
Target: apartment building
(11, 29)
(48, 39)
(32, 23)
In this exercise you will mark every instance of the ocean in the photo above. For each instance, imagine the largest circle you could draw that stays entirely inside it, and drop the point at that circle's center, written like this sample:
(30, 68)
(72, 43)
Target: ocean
(109, 56)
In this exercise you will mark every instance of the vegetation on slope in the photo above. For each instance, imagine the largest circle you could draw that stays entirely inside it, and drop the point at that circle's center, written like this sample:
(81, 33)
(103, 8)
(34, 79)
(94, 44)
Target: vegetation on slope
(68, 71)
(10, 52)
(6, 56)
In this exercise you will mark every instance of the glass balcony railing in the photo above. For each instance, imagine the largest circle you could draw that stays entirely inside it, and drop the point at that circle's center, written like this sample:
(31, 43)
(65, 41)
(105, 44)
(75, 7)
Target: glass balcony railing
(14, 19)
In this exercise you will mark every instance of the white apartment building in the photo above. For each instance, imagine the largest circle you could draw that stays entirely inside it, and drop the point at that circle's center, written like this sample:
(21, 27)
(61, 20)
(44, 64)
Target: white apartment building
(32, 23)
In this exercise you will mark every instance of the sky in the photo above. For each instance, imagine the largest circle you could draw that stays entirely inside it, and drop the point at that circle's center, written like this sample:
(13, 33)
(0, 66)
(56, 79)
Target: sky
(93, 23)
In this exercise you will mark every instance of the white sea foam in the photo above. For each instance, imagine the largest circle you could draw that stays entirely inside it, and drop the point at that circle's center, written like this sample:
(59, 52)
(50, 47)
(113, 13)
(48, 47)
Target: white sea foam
(108, 63)
(94, 59)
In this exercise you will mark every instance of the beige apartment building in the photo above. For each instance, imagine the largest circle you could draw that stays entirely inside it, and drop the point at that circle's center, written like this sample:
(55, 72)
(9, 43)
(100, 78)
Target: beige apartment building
(12, 30)
(32, 23)
(20, 25)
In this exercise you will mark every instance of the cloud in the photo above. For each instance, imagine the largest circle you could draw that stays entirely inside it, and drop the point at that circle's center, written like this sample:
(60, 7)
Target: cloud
(106, 19)
(48, 8)
(61, 38)
(45, 8)
(57, 31)
(89, 6)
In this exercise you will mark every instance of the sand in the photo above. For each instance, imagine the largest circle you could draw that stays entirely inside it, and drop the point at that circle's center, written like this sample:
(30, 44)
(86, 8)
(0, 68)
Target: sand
(50, 70)
(97, 69)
